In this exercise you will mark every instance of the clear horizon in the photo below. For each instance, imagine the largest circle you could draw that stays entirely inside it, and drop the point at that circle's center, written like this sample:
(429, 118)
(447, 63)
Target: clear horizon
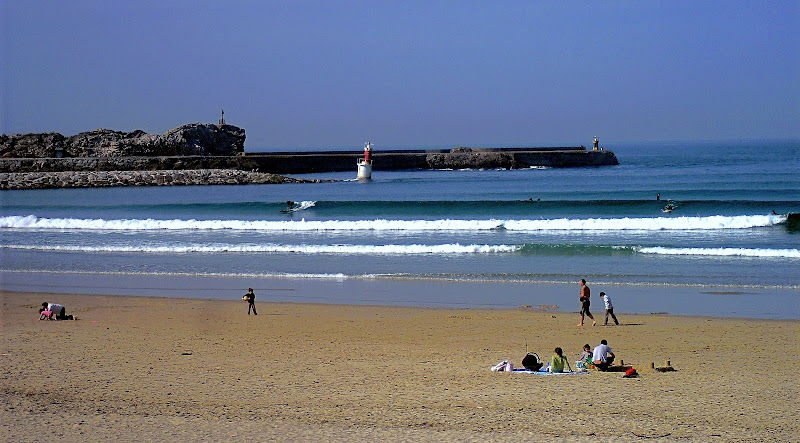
(308, 74)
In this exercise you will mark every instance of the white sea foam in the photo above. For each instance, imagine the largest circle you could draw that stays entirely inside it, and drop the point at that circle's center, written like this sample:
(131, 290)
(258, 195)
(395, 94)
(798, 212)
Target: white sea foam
(305, 204)
(415, 249)
(302, 249)
(724, 252)
(561, 224)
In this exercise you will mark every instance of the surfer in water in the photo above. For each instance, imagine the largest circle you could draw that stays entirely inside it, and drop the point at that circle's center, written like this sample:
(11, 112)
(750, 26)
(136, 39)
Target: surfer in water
(289, 206)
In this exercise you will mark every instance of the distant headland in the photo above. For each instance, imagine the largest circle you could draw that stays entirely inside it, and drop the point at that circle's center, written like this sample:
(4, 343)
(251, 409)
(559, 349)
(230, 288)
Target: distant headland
(204, 154)
(191, 139)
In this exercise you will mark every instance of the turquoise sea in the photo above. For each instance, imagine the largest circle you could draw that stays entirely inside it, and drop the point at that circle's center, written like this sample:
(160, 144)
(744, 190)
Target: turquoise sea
(727, 239)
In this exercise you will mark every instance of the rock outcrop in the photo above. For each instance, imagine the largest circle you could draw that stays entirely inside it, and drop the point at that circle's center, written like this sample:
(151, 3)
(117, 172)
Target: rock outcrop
(466, 158)
(188, 140)
(87, 179)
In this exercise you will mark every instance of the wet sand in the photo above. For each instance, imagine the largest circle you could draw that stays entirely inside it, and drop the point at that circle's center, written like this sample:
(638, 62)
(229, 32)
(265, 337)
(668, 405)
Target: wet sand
(148, 368)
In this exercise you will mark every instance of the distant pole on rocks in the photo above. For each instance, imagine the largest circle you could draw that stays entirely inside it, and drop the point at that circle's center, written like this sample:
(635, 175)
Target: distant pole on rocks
(221, 117)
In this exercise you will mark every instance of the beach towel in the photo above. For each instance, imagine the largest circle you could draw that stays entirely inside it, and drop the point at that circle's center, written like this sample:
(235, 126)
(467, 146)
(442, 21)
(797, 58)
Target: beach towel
(503, 366)
(526, 371)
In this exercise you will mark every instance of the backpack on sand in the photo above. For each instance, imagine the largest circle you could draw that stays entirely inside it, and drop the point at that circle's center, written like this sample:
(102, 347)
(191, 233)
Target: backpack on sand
(532, 362)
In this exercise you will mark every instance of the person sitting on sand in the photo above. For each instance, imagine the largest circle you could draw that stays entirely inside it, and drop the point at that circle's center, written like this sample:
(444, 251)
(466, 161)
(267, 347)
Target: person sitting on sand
(603, 356)
(250, 298)
(58, 310)
(558, 361)
(586, 357)
(44, 314)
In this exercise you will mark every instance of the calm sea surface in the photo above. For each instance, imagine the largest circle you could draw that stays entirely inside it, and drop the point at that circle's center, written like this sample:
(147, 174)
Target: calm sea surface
(490, 226)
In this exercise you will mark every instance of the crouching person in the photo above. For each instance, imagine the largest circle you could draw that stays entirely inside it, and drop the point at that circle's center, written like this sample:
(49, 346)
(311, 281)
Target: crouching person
(57, 310)
(603, 356)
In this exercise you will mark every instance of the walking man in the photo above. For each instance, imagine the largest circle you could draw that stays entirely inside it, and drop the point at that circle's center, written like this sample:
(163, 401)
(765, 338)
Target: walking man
(585, 293)
(609, 309)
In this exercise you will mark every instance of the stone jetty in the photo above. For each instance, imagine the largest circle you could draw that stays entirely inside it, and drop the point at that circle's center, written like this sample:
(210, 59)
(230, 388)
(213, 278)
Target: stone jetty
(189, 177)
(213, 154)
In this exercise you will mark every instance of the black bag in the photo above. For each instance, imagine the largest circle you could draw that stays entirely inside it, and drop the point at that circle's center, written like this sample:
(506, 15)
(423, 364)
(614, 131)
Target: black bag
(532, 362)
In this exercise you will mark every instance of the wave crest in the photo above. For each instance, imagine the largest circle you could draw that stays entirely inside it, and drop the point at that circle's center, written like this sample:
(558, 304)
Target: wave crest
(561, 224)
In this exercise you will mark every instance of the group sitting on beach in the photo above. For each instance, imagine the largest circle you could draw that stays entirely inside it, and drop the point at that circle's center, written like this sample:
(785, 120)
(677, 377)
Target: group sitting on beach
(600, 358)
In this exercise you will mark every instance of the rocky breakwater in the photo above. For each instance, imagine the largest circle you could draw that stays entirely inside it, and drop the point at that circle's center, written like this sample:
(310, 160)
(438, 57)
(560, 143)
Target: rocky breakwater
(187, 140)
(192, 154)
(85, 179)
(466, 158)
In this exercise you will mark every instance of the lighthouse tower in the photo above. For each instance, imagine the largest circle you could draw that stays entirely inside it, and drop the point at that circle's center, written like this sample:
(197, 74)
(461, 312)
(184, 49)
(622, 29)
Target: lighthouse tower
(365, 163)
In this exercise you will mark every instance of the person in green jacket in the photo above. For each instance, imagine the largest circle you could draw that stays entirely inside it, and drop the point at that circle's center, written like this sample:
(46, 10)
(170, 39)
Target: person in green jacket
(558, 362)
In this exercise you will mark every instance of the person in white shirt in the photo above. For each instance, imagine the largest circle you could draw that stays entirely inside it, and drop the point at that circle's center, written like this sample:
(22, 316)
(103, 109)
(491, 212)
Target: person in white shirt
(59, 312)
(603, 356)
(609, 309)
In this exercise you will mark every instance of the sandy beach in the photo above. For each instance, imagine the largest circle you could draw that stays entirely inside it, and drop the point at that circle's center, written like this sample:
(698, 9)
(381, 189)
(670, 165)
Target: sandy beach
(146, 368)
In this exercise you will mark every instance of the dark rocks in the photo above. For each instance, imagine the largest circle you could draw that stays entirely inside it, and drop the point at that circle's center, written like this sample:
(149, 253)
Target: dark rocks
(466, 158)
(31, 145)
(86, 179)
(195, 139)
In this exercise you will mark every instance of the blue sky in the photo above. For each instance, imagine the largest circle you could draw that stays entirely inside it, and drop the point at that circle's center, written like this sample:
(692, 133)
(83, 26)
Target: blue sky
(313, 74)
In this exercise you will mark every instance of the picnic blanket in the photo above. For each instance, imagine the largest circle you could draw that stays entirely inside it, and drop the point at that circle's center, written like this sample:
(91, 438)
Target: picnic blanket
(525, 371)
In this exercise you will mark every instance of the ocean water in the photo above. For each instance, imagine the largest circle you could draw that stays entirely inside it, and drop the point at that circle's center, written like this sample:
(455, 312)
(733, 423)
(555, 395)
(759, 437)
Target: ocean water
(727, 234)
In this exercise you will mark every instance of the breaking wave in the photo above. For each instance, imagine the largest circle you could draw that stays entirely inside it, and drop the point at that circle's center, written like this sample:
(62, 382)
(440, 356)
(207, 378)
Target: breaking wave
(724, 252)
(277, 248)
(413, 249)
(717, 222)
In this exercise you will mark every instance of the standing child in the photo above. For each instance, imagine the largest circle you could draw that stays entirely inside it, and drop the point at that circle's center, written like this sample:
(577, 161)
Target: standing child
(609, 309)
(250, 297)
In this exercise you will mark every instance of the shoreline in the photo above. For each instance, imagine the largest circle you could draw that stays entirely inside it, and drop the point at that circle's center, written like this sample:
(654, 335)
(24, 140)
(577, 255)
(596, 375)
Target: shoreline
(188, 369)
(14, 181)
(709, 301)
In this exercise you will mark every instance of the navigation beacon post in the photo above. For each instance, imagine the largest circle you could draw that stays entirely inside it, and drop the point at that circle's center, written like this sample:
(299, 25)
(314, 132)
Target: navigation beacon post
(365, 163)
